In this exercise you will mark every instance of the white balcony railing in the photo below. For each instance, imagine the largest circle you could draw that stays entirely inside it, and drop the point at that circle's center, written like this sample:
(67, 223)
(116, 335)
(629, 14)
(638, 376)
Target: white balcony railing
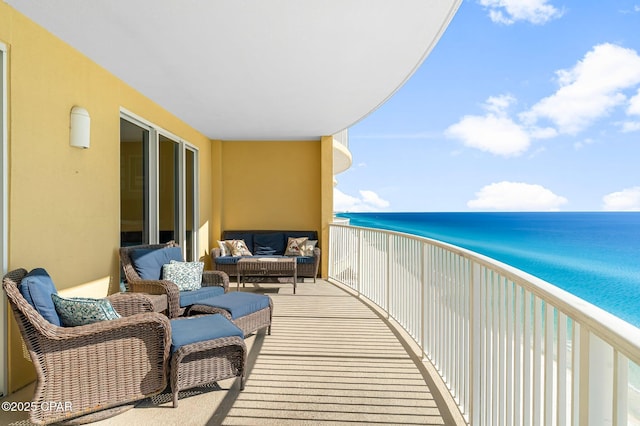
(512, 348)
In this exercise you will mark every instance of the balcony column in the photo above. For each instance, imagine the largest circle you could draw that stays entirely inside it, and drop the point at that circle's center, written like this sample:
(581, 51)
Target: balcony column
(326, 199)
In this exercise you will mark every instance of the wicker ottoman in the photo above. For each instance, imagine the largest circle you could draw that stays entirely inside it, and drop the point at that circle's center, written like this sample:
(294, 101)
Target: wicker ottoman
(205, 349)
(250, 312)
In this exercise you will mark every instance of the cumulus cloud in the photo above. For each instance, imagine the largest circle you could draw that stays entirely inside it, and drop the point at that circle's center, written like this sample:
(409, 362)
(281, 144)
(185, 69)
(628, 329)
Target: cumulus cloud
(589, 90)
(496, 132)
(626, 200)
(368, 201)
(632, 110)
(497, 135)
(598, 83)
(516, 196)
(634, 105)
(509, 11)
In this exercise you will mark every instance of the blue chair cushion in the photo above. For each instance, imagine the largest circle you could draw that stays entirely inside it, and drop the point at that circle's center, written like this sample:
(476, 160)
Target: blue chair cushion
(37, 287)
(185, 331)
(238, 304)
(191, 297)
(148, 262)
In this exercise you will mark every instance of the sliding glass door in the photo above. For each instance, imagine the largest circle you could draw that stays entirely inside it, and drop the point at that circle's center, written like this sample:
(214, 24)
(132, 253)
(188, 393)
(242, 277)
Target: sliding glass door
(158, 187)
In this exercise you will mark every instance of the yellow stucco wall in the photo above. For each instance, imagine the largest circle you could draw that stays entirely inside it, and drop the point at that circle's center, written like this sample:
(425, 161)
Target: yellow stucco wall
(270, 185)
(64, 202)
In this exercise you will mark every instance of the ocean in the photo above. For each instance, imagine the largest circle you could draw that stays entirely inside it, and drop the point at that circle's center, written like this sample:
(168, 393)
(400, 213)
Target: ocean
(593, 255)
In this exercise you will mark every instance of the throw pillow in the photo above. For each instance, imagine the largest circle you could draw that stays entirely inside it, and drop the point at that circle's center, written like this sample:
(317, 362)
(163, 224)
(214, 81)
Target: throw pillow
(224, 248)
(308, 246)
(82, 311)
(294, 246)
(238, 248)
(186, 275)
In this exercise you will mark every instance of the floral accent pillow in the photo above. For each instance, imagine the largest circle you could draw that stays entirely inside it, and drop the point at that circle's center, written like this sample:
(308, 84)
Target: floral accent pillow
(308, 246)
(238, 248)
(186, 275)
(77, 311)
(294, 246)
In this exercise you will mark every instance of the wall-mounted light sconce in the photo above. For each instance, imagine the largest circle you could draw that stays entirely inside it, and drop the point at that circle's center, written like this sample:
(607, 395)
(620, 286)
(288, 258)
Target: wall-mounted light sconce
(80, 128)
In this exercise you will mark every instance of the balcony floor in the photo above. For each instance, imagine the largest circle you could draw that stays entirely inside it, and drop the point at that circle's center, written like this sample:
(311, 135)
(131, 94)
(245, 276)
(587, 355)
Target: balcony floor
(330, 359)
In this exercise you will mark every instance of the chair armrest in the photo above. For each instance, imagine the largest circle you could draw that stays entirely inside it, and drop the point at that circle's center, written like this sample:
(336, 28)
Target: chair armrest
(159, 287)
(215, 252)
(111, 329)
(215, 278)
(127, 304)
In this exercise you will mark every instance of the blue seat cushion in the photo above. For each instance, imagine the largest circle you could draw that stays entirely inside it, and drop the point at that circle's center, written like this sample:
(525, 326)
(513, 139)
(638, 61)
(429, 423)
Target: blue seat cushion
(228, 260)
(148, 262)
(37, 287)
(185, 331)
(190, 297)
(231, 260)
(238, 304)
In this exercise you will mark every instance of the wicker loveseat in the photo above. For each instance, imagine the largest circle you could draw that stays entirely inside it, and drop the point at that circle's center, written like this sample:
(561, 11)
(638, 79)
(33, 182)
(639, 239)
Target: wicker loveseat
(263, 243)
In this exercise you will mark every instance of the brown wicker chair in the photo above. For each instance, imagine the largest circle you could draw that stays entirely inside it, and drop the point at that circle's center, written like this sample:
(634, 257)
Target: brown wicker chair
(163, 287)
(95, 367)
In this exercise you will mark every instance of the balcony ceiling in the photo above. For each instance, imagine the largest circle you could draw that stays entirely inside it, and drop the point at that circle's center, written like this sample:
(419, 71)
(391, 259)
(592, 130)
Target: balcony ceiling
(254, 69)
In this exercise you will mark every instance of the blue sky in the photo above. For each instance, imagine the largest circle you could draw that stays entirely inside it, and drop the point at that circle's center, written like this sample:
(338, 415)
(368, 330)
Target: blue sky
(523, 105)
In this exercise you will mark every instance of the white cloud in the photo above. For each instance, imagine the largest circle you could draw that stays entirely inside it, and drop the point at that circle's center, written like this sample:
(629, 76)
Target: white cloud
(496, 132)
(589, 90)
(367, 202)
(516, 196)
(373, 199)
(634, 105)
(626, 200)
(630, 126)
(509, 11)
(581, 144)
(497, 135)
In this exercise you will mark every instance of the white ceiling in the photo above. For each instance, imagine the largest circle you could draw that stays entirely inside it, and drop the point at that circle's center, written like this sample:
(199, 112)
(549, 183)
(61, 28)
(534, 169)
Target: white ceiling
(254, 69)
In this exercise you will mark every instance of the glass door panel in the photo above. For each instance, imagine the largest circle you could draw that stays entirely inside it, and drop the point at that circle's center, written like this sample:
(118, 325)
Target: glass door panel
(168, 190)
(134, 166)
(190, 208)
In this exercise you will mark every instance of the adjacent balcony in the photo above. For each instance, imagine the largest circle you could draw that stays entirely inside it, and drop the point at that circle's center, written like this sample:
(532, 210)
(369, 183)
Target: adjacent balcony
(342, 159)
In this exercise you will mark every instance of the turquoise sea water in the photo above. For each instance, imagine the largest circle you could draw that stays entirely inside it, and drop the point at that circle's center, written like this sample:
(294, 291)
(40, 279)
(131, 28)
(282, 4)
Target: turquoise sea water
(594, 255)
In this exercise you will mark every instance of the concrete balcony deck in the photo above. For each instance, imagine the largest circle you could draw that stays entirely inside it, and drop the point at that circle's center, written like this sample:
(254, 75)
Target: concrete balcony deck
(330, 360)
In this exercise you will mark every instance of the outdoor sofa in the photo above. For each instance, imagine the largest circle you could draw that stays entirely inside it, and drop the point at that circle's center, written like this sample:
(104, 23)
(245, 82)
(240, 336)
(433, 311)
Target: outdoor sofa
(267, 243)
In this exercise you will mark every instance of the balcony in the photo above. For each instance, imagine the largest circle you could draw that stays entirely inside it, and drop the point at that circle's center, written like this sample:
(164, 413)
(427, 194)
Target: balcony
(413, 331)
(330, 359)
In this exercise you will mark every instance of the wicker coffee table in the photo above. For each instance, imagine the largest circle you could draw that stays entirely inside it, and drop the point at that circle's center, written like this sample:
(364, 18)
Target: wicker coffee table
(273, 267)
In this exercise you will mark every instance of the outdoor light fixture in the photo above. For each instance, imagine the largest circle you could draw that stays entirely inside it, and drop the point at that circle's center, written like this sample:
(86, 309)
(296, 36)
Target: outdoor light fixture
(80, 128)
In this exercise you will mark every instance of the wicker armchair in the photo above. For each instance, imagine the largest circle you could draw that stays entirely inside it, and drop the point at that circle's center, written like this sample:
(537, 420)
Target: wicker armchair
(93, 367)
(159, 287)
